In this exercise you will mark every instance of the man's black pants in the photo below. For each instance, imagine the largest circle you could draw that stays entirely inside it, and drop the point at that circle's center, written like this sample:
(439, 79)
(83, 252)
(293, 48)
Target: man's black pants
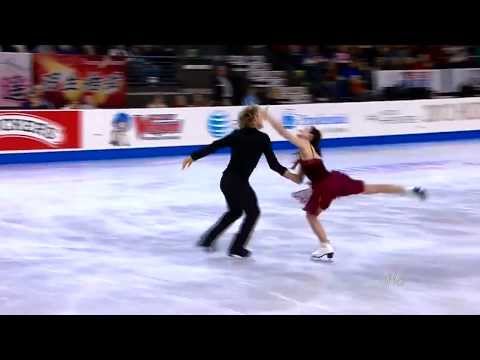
(240, 198)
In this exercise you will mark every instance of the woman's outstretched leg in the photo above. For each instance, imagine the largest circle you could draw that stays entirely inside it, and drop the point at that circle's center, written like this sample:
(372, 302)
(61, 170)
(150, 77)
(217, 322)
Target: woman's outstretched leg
(394, 189)
(384, 189)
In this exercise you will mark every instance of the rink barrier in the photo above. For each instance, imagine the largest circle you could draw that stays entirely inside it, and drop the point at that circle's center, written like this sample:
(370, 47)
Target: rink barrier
(129, 153)
(30, 136)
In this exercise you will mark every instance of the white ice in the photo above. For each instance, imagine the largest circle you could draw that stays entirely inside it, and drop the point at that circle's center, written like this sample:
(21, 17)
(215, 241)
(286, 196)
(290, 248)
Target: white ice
(117, 237)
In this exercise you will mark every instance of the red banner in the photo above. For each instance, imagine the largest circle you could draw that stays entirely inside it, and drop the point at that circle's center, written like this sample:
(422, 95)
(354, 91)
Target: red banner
(71, 78)
(35, 130)
(155, 127)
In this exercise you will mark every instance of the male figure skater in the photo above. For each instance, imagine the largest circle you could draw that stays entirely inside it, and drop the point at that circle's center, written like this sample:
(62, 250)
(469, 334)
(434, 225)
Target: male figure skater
(247, 146)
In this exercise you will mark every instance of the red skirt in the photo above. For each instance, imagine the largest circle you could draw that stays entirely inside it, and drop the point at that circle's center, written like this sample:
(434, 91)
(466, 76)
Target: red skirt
(335, 185)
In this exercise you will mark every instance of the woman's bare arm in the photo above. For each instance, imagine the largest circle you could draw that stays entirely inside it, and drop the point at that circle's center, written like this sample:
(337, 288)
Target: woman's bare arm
(277, 125)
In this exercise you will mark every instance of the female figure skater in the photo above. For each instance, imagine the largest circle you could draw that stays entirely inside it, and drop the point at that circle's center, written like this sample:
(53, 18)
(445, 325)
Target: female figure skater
(326, 185)
(247, 144)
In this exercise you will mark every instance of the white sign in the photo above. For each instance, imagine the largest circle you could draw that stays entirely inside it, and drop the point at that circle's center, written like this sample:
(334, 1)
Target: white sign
(106, 129)
(462, 77)
(430, 79)
(170, 127)
(15, 78)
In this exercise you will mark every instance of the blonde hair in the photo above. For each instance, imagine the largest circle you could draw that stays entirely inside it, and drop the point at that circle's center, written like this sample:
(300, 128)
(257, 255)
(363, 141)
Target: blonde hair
(247, 116)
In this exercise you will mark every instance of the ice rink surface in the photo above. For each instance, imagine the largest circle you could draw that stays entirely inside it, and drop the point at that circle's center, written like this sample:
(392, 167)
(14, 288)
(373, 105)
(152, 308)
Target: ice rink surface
(117, 237)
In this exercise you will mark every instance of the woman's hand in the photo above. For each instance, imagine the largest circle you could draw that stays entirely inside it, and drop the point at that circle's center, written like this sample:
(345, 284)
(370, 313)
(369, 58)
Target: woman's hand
(187, 162)
(265, 114)
(297, 179)
(278, 126)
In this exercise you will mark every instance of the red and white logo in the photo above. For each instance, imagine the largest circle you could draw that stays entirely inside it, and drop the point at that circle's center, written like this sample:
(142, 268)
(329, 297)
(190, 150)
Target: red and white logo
(156, 127)
(31, 126)
(39, 129)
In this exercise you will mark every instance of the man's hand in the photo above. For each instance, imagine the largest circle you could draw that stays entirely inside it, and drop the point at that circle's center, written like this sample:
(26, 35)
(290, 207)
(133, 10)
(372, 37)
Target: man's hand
(187, 162)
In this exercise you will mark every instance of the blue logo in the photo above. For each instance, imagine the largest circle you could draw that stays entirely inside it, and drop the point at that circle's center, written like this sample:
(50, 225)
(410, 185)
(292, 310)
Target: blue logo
(291, 120)
(122, 121)
(219, 124)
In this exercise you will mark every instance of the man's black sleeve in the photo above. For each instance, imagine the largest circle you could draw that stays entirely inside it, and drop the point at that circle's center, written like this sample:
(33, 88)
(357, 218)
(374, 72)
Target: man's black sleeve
(271, 158)
(214, 146)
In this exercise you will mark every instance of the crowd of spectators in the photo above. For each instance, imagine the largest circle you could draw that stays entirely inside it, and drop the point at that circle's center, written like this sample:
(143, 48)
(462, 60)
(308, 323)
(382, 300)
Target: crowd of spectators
(345, 72)
(179, 100)
(330, 73)
(36, 100)
(111, 50)
(395, 57)
(298, 57)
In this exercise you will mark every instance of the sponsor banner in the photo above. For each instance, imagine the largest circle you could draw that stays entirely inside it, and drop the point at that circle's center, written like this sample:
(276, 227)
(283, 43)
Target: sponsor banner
(106, 129)
(381, 118)
(421, 116)
(389, 118)
(333, 120)
(458, 112)
(39, 130)
(71, 78)
(352, 119)
(430, 79)
(15, 78)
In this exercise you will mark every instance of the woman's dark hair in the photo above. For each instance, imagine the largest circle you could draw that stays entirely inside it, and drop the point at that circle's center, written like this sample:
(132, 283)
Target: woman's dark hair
(317, 137)
(315, 142)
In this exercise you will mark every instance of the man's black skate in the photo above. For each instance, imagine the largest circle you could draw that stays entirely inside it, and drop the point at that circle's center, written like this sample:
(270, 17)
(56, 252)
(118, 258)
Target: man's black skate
(208, 247)
(240, 253)
(420, 192)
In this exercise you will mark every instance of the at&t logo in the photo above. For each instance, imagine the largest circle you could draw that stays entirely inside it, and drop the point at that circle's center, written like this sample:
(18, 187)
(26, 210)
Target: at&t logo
(219, 124)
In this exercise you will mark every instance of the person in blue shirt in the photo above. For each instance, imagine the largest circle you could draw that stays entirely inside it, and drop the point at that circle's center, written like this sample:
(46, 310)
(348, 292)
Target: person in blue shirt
(250, 98)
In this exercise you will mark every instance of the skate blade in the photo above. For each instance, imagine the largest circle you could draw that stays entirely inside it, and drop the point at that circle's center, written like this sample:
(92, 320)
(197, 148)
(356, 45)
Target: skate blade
(324, 257)
(422, 197)
(238, 257)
